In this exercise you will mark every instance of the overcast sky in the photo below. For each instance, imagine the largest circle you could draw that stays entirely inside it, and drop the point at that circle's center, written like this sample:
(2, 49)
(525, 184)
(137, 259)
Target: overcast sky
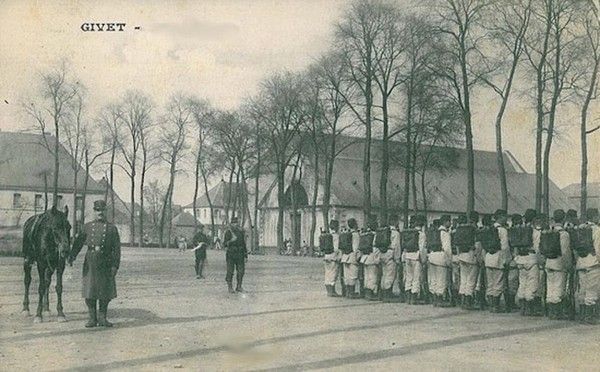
(214, 49)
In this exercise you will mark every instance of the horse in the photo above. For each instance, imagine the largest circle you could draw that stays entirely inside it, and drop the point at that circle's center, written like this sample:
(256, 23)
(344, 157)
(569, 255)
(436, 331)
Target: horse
(46, 242)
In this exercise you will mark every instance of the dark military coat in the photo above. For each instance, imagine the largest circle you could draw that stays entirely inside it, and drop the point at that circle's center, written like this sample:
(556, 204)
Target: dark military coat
(102, 259)
(236, 249)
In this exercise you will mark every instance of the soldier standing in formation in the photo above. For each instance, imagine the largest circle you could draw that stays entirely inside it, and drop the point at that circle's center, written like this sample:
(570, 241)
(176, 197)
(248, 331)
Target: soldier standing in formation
(558, 266)
(469, 269)
(440, 261)
(549, 247)
(350, 261)
(588, 267)
(329, 243)
(236, 255)
(100, 265)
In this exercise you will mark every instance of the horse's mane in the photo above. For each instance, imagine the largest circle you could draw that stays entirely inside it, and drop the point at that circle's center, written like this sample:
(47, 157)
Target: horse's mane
(36, 224)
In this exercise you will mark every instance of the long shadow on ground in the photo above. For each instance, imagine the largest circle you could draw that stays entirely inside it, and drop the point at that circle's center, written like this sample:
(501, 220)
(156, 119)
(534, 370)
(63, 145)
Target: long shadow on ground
(144, 317)
(204, 351)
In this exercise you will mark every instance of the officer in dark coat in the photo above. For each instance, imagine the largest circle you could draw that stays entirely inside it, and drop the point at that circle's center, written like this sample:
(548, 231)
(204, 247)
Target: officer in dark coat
(200, 242)
(101, 263)
(236, 255)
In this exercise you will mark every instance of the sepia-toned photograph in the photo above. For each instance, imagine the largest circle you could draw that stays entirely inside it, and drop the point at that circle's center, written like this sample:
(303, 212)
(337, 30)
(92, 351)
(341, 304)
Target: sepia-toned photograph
(290, 185)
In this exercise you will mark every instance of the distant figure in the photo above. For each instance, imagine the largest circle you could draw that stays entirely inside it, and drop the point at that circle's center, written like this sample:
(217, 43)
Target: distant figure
(200, 242)
(181, 243)
(236, 255)
(101, 263)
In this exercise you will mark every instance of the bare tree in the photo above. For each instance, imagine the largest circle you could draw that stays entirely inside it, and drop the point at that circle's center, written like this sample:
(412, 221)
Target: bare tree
(136, 108)
(508, 21)
(356, 37)
(588, 90)
(110, 118)
(279, 108)
(459, 26)
(174, 131)
(388, 76)
(154, 195)
(92, 151)
(549, 47)
(73, 129)
(56, 93)
(418, 52)
(201, 113)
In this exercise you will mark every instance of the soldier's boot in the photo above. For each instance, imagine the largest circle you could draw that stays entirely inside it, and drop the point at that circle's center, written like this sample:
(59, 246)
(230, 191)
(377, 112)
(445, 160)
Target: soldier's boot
(330, 291)
(375, 296)
(230, 287)
(367, 293)
(495, 308)
(482, 300)
(443, 302)
(350, 292)
(92, 317)
(392, 297)
(537, 307)
(591, 317)
(509, 302)
(469, 303)
(522, 306)
(552, 311)
(402, 296)
(103, 309)
(361, 288)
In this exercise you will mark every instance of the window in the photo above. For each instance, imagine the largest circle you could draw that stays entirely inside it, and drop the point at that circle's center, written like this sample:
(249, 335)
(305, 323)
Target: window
(79, 202)
(59, 201)
(17, 203)
(39, 201)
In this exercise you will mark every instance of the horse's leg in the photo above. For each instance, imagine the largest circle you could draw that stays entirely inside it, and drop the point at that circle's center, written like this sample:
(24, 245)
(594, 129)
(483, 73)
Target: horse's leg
(41, 291)
(27, 281)
(48, 273)
(59, 306)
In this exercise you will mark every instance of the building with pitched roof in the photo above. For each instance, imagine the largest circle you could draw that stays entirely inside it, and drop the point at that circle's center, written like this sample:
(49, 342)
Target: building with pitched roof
(573, 192)
(222, 197)
(26, 179)
(443, 187)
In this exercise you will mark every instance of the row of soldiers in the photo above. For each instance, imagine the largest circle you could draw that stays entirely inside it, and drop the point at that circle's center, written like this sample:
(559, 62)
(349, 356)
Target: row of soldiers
(499, 262)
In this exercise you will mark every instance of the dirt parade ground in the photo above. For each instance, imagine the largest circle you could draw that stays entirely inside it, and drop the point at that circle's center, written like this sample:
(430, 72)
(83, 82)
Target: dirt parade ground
(166, 319)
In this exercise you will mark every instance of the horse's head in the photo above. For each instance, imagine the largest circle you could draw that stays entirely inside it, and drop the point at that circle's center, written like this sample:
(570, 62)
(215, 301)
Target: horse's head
(59, 231)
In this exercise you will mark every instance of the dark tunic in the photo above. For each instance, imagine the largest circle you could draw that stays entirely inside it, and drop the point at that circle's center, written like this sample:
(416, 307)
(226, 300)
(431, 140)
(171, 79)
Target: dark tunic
(102, 256)
(200, 237)
(237, 248)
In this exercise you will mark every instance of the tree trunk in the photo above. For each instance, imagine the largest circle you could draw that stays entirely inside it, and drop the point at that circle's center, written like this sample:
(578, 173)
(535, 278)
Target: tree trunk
(209, 200)
(280, 204)
(56, 162)
(385, 165)
(468, 130)
(196, 187)
(228, 196)
(367, 148)
(166, 211)
(255, 238)
(85, 185)
(112, 179)
(45, 191)
(132, 209)
(423, 192)
(407, 157)
(75, 185)
(584, 156)
(142, 178)
(413, 178)
(313, 222)
(329, 166)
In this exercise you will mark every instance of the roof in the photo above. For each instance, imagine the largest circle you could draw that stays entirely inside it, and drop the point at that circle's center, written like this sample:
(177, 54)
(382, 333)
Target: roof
(24, 160)
(219, 195)
(445, 185)
(574, 189)
(183, 219)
